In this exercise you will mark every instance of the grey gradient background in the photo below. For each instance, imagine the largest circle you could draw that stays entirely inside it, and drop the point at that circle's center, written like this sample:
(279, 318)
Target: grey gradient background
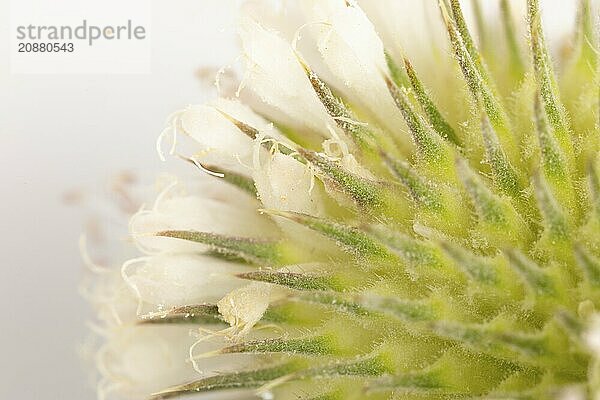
(63, 132)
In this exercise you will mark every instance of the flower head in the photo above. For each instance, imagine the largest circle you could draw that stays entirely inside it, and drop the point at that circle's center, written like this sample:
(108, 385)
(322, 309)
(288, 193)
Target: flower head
(377, 222)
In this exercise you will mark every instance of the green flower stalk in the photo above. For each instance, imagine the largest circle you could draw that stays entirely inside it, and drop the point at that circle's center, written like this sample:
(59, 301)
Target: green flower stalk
(374, 225)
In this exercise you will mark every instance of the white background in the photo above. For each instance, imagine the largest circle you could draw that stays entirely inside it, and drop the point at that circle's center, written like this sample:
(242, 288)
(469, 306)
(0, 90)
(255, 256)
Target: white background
(62, 132)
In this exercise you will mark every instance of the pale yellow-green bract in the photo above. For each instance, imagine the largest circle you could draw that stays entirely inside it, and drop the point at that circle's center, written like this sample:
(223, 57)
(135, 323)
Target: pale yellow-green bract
(365, 224)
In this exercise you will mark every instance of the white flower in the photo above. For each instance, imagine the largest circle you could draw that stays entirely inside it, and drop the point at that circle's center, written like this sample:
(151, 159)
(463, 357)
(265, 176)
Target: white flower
(354, 54)
(169, 280)
(112, 299)
(138, 361)
(285, 184)
(219, 140)
(204, 207)
(414, 23)
(274, 73)
(244, 307)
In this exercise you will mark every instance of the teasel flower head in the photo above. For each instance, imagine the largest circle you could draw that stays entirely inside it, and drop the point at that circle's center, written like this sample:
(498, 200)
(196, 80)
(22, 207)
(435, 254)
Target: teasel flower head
(374, 218)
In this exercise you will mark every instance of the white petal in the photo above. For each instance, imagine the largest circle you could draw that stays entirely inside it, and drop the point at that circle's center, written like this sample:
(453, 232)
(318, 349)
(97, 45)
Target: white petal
(404, 25)
(220, 141)
(244, 307)
(170, 280)
(592, 336)
(282, 15)
(275, 75)
(245, 114)
(284, 183)
(211, 206)
(112, 299)
(353, 52)
(142, 360)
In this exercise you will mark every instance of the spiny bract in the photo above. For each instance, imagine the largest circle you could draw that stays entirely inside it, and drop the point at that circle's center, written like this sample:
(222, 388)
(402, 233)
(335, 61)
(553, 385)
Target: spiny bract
(356, 237)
